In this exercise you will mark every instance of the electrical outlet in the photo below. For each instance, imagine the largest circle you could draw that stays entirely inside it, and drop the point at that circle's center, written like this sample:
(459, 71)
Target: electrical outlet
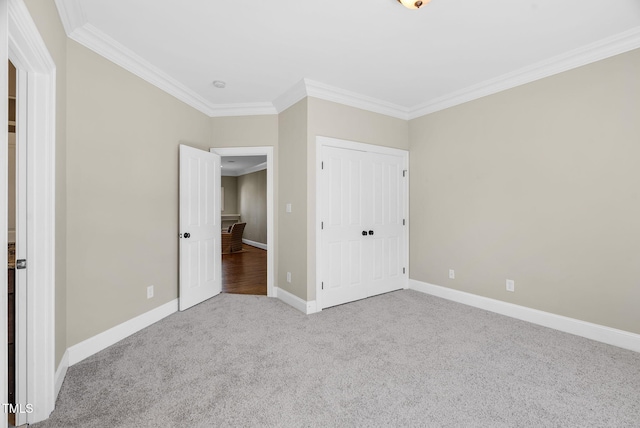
(452, 274)
(288, 276)
(149, 291)
(511, 285)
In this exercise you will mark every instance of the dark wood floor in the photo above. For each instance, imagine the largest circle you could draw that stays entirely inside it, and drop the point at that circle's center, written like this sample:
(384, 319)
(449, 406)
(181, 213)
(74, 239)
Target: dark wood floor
(245, 272)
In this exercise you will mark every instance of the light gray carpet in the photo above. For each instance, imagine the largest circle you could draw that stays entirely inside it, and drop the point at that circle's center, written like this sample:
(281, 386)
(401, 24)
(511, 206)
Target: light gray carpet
(400, 359)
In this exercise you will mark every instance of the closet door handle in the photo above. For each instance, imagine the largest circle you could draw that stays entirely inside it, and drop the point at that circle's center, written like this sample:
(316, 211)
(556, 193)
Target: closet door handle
(371, 232)
(364, 233)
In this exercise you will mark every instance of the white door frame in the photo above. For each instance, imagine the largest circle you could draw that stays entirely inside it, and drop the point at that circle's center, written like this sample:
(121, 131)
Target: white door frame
(28, 52)
(268, 152)
(363, 147)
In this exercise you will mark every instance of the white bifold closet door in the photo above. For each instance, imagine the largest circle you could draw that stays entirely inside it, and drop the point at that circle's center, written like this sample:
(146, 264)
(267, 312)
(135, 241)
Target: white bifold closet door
(363, 248)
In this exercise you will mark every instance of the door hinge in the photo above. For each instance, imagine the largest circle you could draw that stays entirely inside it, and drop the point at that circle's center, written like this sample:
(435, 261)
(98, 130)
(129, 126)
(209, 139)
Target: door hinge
(322, 165)
(322, 285)
(404, 270)
(404, 222)
(322, 225)
(404, 172)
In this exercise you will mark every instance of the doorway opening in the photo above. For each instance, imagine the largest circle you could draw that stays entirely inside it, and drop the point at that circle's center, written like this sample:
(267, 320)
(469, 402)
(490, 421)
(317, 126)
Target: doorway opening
(247, 220)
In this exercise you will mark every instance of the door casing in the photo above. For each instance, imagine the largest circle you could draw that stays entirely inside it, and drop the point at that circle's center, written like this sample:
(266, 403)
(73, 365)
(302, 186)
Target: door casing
(28, 52)
(268, 152)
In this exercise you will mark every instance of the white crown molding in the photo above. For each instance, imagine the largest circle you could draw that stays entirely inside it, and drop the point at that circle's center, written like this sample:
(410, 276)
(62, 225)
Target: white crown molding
(78, 29)
(294, 94)
(71, 14)
(94, 39)
(311, 88)
(602, 49)
(248, 109)
(254, 168)
(342, 96)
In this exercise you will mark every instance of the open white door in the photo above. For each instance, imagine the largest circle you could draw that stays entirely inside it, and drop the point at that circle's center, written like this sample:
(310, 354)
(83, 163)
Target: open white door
(200, 259)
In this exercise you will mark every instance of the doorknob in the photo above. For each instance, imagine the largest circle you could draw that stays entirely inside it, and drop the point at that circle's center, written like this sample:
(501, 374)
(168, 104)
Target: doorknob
(371, 232)
(187, 235)
(364, 233)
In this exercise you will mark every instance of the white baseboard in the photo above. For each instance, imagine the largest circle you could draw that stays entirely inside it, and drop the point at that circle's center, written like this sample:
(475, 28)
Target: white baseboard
(306, 307)
(600, 333)
(61, 372)
(107, 338)
(254, 244)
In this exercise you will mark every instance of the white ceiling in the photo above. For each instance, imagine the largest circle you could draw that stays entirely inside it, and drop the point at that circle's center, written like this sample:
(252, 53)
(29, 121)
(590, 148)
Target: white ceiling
(234, 166)
(374, 54)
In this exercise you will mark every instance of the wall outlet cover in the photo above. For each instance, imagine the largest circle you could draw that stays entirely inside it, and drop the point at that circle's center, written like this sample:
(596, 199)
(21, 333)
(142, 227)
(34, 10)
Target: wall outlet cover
(511, 285)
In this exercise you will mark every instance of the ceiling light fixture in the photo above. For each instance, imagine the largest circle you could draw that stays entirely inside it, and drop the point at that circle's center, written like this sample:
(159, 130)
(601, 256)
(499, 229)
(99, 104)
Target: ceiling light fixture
(219, 84)
(413, 4)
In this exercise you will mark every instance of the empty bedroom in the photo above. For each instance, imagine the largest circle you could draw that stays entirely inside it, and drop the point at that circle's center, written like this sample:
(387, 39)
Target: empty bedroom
(295, 213)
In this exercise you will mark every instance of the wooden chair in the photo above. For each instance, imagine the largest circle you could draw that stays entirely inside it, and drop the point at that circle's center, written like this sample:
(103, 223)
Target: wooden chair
(232, 239)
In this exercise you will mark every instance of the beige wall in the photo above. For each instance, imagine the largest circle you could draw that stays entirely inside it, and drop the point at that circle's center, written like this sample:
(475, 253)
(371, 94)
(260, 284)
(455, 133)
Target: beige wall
(45, 16)
(539, 184)
(252, 195)
(230, 185)
(535, 184)
(122, 172)
(292, 188)
(329, 119)
(245, 131)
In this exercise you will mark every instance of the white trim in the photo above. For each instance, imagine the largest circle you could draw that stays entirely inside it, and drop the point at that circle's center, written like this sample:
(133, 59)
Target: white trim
(115, 334)
(241, 109)
(291, 96)
(364, 102)
(321, 142)
(97, 41)
(254, 168)
(4, 151)
(29, 54)
(61, 372)
(608, 47)
(261, 151)
(353, 145)
(71, 14)
(600, 333)
(311, 88)
(306, 307)
(255, 244)
(79, 29)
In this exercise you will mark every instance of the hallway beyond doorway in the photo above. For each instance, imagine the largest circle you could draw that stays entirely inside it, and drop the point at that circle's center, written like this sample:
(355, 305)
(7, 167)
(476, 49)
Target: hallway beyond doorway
(245, 272)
